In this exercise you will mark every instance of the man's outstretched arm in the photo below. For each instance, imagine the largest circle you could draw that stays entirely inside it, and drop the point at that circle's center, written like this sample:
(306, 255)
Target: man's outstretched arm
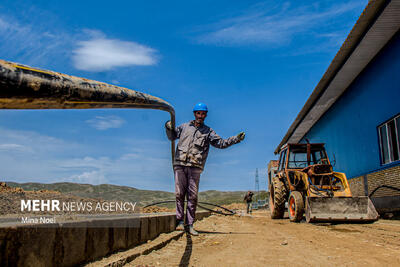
(172, 134)
(218, 142)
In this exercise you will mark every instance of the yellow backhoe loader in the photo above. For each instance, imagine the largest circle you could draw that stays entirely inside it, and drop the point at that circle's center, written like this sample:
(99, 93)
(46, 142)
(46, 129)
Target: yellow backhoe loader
(306, 181)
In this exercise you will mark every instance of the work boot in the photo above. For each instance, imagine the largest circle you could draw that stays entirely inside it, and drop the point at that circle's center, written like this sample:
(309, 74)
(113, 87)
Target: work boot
(192, 231)
(180, 226)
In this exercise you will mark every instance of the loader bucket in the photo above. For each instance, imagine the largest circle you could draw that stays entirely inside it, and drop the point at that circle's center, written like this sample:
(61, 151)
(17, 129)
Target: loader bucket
(340, 209)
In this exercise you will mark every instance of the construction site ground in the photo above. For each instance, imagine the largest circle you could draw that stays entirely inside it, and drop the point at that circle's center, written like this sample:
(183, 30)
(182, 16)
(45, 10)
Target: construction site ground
(257, 240)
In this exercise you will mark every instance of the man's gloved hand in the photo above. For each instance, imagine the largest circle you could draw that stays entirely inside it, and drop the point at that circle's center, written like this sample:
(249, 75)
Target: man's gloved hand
(241, 136)
(168, 125)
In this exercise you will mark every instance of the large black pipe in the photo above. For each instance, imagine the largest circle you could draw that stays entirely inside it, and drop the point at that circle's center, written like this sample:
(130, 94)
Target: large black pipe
(24, 87)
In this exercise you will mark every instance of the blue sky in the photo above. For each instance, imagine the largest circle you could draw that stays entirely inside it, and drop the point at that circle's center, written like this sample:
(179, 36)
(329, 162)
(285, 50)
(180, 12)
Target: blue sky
(253, 63)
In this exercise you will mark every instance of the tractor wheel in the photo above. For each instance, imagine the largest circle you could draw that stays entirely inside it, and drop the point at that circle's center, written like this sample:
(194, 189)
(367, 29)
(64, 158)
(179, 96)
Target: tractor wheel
(295, 206)
(277, 198)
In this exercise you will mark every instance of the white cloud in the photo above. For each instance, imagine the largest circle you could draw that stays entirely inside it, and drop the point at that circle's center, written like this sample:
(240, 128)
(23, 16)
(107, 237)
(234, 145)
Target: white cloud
(138, 170)
(3, 25)
(14, 147)
(107, 122)
(101, 54)
(86, 162)
(130, 156)
(30, 156)
(93, 177)
(32, 142)
(273, 26)
(38, 43)
(32, 44)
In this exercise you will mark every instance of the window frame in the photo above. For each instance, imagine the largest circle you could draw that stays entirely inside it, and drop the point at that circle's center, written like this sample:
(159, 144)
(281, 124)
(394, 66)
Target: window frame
(389, 141)
(282, 160)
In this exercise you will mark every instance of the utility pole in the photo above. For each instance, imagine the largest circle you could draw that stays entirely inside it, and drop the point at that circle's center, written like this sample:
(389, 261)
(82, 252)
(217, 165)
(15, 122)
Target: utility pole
(257, 189)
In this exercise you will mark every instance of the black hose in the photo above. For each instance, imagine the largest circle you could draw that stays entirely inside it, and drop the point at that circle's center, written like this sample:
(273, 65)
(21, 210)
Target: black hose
(230, 212)
(383, 186)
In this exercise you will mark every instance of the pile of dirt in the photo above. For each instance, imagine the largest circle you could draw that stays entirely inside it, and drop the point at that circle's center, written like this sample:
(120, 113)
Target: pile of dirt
(155, 209)
(235, 206)
(5, 188)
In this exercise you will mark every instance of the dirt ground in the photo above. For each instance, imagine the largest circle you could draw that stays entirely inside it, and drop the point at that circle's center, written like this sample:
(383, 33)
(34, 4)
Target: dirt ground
(259, 241)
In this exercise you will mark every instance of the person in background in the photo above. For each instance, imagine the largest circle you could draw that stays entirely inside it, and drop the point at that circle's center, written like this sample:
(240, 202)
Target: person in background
(248, 198)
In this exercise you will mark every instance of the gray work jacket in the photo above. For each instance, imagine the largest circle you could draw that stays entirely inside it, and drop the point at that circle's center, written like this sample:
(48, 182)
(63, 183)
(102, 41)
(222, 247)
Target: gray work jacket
(194, 143)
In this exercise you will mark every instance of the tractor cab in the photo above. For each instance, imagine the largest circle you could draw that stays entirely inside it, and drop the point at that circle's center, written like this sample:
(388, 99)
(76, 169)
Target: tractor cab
(300, 156)
(310, 159)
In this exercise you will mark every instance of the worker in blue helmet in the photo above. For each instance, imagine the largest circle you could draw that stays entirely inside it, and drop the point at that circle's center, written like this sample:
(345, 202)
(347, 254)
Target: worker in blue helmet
(191, 154)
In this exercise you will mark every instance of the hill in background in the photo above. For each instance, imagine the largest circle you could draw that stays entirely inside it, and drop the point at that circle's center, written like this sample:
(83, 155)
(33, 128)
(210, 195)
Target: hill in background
(131, 194)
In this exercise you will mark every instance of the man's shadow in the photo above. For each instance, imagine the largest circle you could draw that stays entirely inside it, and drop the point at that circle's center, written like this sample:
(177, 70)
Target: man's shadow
(188, 252)
(189, 246)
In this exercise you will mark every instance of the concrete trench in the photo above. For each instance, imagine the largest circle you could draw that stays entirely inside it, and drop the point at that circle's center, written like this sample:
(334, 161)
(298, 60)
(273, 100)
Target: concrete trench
(75, 243)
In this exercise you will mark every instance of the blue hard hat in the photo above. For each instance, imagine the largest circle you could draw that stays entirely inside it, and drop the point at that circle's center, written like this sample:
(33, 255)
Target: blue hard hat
(200, 107)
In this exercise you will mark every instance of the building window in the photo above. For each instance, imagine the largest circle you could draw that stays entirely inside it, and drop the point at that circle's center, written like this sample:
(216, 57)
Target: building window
(389, 139)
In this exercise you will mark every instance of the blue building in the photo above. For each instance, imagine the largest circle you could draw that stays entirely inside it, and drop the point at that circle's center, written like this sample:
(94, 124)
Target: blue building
(355, 108)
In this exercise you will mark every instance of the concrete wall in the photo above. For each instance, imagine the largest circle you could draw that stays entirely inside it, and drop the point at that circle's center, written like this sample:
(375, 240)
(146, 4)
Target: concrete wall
(73, 243)
(349, 127)
(357, 186)
(384, 199)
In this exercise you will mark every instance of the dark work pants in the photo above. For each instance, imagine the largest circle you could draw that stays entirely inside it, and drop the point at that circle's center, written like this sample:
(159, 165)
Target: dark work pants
(248, 207)
(186, 184)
